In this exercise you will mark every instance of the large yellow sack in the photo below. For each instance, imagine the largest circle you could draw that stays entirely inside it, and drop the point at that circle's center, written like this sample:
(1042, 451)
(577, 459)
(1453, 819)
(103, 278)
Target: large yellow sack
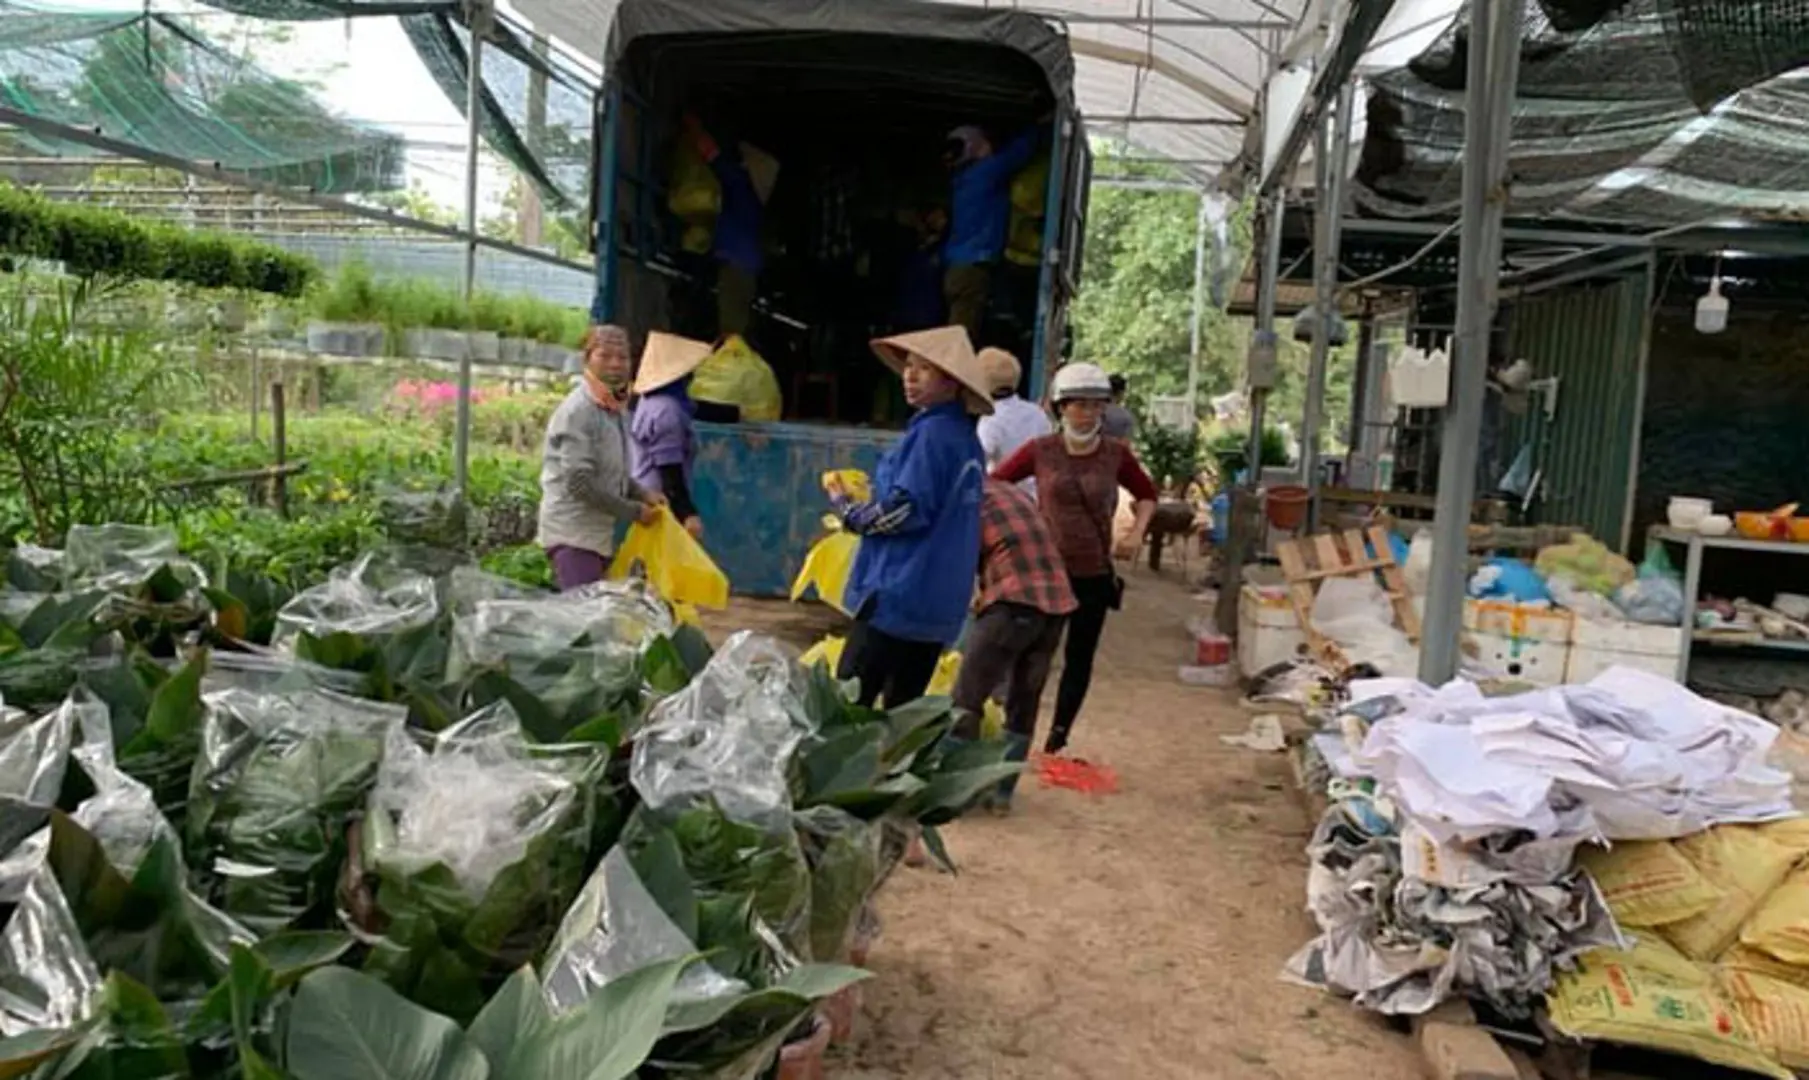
(1640, 997)
(694, 196)
(1759, 962)
(1030, 187)
(1777, 1013)
(1780, 927)
(676, 565)
(1745, 862)
(736, 375)
(1588, 562)
(1648, 882)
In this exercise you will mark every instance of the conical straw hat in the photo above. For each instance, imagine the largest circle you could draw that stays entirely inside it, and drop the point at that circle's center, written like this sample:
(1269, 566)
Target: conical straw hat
(667, 359)
(950, 351)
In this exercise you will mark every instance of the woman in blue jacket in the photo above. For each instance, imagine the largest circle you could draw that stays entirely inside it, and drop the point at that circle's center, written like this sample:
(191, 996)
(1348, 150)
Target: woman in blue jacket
(913, 580)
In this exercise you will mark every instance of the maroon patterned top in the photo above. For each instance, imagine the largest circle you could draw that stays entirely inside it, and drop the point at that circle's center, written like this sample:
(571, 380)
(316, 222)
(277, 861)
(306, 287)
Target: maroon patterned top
(1079, 495)
(1019, 563)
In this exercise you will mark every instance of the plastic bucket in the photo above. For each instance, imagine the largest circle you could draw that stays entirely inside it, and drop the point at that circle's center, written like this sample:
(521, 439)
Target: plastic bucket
(1286, 506)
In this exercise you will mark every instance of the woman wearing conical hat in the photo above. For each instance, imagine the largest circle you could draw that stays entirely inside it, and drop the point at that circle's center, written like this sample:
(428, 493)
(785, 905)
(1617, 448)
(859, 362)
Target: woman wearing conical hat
(661, 431)
(920, 535)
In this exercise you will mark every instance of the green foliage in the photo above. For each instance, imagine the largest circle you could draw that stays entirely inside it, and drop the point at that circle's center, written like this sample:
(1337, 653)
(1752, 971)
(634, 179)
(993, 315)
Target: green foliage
(1230, 449)
(95, 242)
(356, 296)
(71, 396)
(1171, 457)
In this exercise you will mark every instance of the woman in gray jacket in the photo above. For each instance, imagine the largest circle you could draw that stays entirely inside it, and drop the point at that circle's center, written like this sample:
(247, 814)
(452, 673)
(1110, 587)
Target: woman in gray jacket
(586, 482)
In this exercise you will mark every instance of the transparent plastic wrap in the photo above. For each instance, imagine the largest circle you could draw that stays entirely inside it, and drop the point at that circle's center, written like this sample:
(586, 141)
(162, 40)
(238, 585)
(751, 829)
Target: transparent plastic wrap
(468, 585)
(844, 856)
(115, 557)
(371, 596)
(273, 673)
(728, 737)
(435, 519)
(279, 776)
(615, 928)
(51, 981)
(475, 848)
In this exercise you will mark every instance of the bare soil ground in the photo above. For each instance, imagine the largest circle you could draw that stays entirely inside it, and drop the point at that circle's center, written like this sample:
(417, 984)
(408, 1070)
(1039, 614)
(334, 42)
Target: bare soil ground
(1136, 935)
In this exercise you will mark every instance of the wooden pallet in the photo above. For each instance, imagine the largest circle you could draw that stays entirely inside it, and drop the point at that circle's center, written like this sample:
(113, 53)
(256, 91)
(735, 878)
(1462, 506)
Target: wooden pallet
(1308, 561)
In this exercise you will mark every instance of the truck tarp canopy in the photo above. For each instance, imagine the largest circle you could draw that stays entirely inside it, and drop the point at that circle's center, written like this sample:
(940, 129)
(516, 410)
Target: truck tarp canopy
(1021, 33)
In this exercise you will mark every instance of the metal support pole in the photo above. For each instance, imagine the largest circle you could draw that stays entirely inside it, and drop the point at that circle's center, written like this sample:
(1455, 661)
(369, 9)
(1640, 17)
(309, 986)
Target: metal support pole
(1199, 303)
(1360, 384)
(1328, 198)
(1494, 68)
(1266, 286)
(478, 14)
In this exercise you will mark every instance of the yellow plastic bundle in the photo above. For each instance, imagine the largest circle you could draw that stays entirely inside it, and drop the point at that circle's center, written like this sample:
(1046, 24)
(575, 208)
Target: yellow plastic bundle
(1777, 1012)
(1649, 996)
(694, 194)
(676, 565)
(831, 559)
(1587, 562)
(1029, 190)
(1780, 928)
(736, 375)
(1030, 187)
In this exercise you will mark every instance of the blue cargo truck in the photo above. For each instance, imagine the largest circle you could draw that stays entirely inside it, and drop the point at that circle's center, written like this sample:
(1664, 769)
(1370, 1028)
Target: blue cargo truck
(833, 178)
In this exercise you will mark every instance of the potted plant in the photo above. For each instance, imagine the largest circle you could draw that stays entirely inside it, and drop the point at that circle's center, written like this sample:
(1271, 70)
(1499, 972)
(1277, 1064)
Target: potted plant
(347, 315)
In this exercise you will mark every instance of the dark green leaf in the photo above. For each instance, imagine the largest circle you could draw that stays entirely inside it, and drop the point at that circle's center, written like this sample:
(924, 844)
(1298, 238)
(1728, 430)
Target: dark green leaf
(665, 667)
(347, 1026)
(938, 849)
(175, 713)
(21, 1054)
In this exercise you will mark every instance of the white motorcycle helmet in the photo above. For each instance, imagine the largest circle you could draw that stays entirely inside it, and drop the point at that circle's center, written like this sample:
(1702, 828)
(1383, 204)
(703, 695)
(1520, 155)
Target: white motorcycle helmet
(1081, 382)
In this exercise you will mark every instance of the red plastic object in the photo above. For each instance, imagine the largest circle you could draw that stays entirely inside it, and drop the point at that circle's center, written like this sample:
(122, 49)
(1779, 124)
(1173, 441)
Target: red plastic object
(1076, 774)
(1211, 650)
(1287, 506)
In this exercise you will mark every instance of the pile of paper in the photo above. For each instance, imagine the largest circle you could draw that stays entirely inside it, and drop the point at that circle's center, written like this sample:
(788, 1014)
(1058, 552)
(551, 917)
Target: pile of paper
(1457, 876)
(1642, 757)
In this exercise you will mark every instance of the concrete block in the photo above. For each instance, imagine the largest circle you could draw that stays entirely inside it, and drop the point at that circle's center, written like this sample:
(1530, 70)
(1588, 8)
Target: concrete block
(1463, 1052)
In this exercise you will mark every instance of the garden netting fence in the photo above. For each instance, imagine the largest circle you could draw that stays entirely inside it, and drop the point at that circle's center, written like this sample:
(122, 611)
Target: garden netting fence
(157, 81)
(1639, 111)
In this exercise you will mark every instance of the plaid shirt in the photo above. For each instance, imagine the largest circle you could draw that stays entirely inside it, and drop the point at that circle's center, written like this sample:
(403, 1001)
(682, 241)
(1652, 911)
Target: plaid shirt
(1019, 563)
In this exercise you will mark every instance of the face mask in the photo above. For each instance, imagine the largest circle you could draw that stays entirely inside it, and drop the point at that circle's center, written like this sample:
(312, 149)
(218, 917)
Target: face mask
(1079, 436)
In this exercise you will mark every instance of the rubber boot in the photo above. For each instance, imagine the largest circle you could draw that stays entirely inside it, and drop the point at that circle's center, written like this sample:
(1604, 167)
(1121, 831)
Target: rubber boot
(1017, 750)
(1056, 742)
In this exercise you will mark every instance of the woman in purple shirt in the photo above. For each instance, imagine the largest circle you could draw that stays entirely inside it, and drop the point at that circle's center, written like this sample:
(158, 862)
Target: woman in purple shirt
(664, 445)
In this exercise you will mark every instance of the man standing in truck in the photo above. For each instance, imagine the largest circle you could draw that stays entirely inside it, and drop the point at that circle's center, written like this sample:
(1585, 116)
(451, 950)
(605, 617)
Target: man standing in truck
(980, 212)
(737, 249)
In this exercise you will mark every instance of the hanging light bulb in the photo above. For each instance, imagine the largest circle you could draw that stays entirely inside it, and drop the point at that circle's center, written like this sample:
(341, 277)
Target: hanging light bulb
(1711, 310)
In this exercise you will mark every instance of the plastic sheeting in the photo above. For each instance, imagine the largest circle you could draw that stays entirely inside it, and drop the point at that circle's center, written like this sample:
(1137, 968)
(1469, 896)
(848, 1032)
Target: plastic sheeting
(729, 736)
(1648, 111)
(371, 596)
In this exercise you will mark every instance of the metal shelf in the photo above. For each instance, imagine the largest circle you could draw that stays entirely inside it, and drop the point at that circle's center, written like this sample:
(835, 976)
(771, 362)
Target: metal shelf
(1695, 544)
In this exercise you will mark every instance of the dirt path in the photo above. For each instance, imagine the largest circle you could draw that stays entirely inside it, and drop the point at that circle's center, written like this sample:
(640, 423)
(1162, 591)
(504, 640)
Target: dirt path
(1133, 935)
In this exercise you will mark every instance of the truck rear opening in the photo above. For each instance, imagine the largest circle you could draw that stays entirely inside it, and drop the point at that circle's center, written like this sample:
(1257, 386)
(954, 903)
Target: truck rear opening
(845, 127)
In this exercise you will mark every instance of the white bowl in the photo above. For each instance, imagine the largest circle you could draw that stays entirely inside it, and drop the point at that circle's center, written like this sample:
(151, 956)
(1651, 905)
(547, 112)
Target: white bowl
(1715, 525)
(1684, 512)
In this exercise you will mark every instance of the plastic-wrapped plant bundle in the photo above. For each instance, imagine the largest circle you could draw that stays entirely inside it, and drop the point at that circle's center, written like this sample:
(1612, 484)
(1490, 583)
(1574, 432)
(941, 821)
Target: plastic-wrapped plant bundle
(728, 738)
(375, 617)
(844, 856)
(119, 558)
(371, 597)
(433, 519)
(476, 847)
(571, 666)
(278, 778)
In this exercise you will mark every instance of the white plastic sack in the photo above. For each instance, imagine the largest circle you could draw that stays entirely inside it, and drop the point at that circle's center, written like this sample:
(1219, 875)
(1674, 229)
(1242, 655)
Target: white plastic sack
(1419, 380)
(1356, 613)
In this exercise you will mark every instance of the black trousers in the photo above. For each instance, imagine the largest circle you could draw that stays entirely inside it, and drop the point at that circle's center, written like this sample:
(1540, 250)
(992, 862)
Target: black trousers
(1013, 646)
(889, 667)
(1084, 629)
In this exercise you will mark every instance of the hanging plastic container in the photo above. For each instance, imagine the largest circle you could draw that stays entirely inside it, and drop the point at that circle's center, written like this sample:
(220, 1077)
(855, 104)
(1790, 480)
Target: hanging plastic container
(1419, 380)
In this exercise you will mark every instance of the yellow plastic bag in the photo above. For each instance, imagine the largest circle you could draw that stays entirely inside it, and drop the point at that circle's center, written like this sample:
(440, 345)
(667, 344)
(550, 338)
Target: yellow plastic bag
(1024, 241)
(1641, 997)
(1780, 927)
(854, 481)
(1030, 187)
(1745, 862)
(1588, 562)
(736, 375)
(676, 565)
(1777, 1012)
(826, 569)
(1648, 883)
(694, 194)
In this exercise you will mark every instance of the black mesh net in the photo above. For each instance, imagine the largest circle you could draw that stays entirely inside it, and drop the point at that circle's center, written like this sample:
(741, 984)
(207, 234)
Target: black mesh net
(154, 81)
(1636, 111)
